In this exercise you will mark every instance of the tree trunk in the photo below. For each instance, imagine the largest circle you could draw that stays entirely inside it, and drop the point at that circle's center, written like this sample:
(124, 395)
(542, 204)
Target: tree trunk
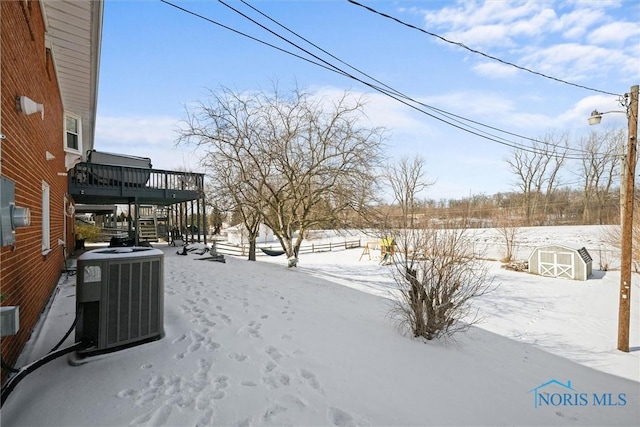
(252, 249)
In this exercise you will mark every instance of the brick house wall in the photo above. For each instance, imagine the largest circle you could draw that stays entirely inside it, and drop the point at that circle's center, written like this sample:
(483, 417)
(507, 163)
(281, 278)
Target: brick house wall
(28, 276)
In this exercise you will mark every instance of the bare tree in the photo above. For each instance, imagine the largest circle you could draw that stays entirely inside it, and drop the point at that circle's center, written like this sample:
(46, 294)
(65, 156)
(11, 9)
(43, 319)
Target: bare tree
(288, 154)
(600, 163)
(508, 228)
(407, 178)
(228, 188)
(437, 282)
(537, 170)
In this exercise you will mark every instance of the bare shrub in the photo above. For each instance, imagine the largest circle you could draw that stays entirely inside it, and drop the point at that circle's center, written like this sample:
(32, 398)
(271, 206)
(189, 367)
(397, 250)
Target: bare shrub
(437, 277)
(613, 236)
(508, 229)
(604, 261)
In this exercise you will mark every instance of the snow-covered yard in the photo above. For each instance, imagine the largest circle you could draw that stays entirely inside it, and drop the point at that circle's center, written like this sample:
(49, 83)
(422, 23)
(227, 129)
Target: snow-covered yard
(255, 343)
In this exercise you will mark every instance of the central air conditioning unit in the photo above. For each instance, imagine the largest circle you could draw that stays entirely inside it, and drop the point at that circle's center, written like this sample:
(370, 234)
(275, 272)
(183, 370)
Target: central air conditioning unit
(119, 298)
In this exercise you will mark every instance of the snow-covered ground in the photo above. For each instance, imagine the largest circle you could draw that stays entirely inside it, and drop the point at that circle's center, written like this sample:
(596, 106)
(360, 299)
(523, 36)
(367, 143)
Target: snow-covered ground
(256, 343)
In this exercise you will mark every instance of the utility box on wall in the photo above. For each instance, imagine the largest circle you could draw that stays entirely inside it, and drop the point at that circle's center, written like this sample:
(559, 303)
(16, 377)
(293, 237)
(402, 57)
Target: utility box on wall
(11, 216)
(120, 297)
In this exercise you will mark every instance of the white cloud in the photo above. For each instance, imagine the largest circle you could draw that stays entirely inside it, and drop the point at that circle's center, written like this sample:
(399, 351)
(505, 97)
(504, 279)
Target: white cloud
(576, 24)
(482, 35)
(582, 109)
(491, 23)
(477, 105)
(574, 61)
(145, 136)
(614, 32)
(531, 31)
(469, 14)
(535, 24)
(131, 129)
(494, 70)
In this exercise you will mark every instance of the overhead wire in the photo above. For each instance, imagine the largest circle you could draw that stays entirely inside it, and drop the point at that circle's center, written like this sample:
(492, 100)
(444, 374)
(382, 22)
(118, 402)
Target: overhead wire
(226, 27)
(450, 116)
(333, 68)
(404, 99)
(462, 45)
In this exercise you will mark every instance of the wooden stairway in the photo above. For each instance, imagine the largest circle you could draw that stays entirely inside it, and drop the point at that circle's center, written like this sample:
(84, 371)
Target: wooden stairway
(148, 229)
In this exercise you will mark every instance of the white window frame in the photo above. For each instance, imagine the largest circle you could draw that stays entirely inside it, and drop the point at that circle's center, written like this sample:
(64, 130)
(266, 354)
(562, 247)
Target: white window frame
(78, 119)
(46, 218)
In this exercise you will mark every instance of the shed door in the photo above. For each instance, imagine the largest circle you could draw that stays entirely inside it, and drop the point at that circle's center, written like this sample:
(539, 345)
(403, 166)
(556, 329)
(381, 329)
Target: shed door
(556, 264)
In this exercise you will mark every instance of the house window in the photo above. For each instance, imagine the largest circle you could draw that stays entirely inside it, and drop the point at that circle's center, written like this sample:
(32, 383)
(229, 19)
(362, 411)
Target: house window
(46, 224)
(72, 133)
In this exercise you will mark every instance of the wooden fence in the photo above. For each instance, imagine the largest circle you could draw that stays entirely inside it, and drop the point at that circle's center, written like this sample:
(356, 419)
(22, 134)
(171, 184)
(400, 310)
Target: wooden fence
(243, 250)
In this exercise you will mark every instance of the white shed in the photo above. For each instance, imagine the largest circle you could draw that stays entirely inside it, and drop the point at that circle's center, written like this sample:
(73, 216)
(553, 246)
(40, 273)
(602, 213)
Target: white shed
(561, 261)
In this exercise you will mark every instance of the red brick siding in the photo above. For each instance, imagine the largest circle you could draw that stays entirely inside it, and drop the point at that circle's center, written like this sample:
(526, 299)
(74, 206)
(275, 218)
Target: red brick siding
(27, 277)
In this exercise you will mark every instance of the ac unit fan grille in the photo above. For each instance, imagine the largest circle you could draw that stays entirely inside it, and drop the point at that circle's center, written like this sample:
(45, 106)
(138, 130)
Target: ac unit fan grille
(133, 300)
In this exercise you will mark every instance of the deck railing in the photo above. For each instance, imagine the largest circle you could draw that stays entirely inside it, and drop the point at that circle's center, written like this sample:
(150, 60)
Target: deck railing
(99, 175)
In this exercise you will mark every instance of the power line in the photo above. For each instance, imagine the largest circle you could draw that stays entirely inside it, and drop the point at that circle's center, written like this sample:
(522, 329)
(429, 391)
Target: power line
(462, 45)
(337, 70)
(197, 15)
(404, 99)
(450, 115)
(395, 93)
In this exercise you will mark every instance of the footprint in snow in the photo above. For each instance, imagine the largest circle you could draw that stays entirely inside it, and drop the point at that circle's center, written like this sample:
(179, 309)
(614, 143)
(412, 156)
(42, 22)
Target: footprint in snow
(154, 418)
(220, 382)
(269, 366)
(275, 381)
(205, 419)
(311, 379)
(213, 345)
(273, 411)
(238, 357)
(340, 418)
(179, 339)
(274, 353)
(127, 393)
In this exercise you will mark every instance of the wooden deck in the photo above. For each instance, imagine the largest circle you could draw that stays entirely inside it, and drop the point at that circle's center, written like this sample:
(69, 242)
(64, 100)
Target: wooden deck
(93, 183)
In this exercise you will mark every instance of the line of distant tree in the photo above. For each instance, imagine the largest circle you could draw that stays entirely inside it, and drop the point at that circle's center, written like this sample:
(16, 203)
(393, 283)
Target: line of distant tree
(566, 206)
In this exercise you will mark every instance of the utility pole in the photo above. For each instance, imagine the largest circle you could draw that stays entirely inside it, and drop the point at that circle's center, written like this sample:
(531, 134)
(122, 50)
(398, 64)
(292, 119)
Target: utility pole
(624, 314)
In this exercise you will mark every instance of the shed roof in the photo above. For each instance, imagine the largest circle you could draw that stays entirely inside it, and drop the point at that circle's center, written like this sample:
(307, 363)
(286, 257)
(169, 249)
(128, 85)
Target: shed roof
(581, 250)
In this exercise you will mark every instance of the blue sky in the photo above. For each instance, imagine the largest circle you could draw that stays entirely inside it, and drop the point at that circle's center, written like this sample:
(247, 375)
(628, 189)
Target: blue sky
(157, 60)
